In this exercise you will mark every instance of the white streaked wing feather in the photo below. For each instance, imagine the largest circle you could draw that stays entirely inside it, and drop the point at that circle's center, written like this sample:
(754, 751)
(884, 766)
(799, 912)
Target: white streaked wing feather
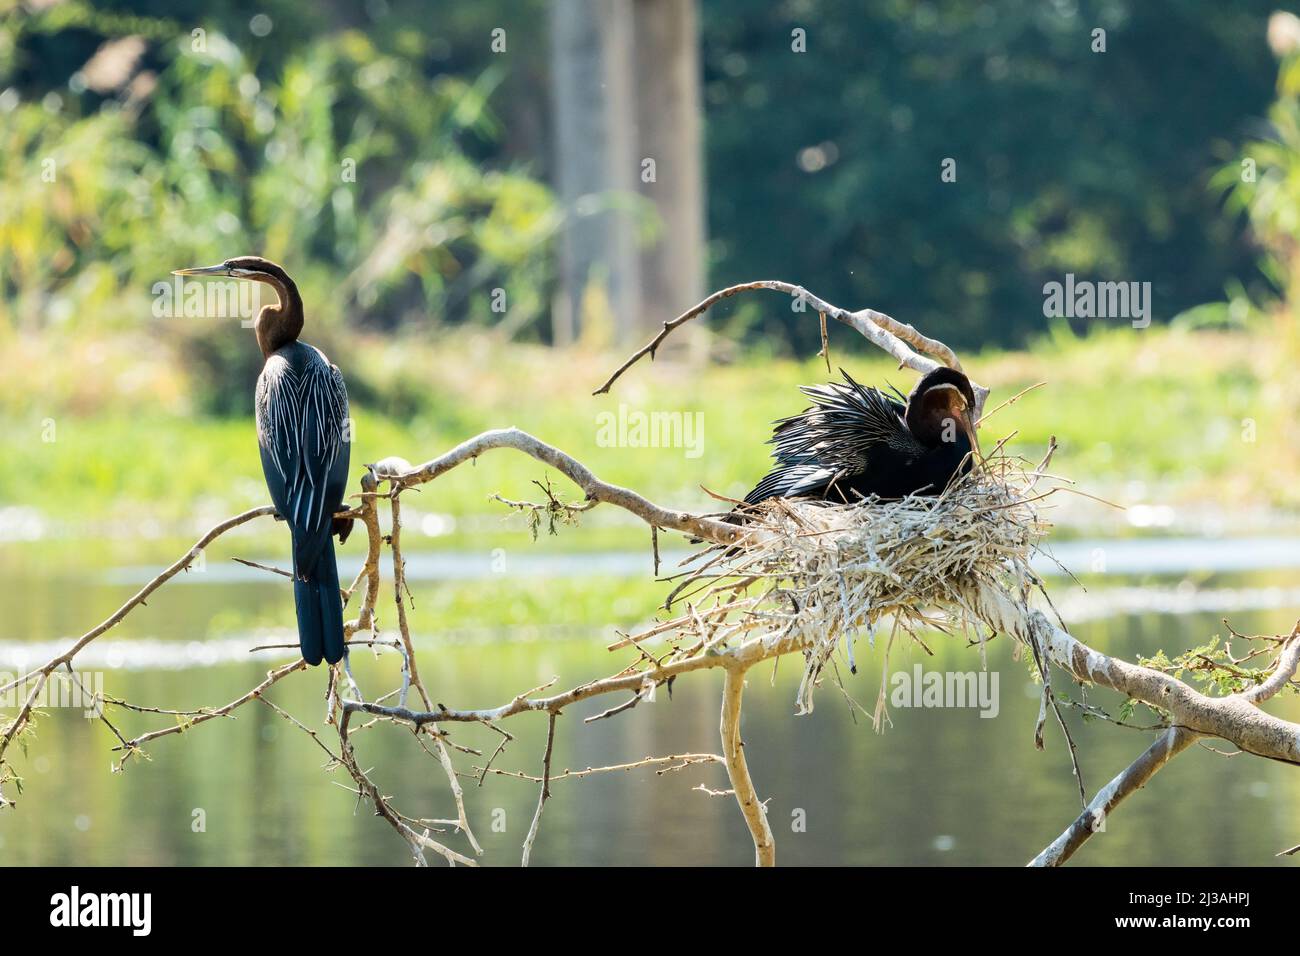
(289, 405)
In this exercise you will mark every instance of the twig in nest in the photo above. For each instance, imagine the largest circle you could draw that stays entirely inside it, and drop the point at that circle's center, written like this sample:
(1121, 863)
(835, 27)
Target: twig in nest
(1010, 401)
(826, 342)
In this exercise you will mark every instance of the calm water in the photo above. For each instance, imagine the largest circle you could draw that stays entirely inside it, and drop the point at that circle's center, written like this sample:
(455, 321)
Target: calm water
(939, 786)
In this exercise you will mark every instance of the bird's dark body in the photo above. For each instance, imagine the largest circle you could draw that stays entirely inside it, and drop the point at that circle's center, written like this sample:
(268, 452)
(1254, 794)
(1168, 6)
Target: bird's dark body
(305, 439)
(855, 442)
(302, 414)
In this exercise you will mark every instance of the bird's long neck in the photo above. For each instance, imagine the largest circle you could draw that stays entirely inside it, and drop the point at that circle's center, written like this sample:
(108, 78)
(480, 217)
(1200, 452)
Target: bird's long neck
(279, 324)
(934, 415)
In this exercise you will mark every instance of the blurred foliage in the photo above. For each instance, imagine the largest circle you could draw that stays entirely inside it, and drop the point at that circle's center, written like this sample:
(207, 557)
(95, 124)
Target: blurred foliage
(179, 133)
(1261, 183)
(349, 163)
(1172, 435)
(1213, 666)
(1067, 160)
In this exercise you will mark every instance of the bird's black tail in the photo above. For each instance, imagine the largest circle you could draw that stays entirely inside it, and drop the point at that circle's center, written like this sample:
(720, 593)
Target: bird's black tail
(320, 609)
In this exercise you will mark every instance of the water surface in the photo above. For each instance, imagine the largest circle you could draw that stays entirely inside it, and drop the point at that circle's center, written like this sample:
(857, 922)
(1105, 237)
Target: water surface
(937, 786)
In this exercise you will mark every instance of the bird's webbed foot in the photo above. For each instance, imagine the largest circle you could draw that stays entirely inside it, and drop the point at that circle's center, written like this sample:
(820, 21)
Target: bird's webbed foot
(342, 527)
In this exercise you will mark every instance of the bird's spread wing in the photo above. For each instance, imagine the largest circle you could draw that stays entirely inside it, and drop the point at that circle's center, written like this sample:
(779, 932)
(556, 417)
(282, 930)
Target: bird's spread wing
(845, 421)
(792, 480)
(832, 439)
(302, 411)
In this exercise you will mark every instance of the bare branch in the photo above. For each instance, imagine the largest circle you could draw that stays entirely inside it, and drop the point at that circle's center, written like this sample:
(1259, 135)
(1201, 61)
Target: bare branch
(580, 475)
(138, 598)
(273, 677)
(733, 752)
(704, 638)
(545, 793)
(897, 339)
(665, 765)
(1168, 745)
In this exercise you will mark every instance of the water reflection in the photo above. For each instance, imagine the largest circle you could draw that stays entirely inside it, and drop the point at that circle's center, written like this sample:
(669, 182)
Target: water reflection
(939, 786)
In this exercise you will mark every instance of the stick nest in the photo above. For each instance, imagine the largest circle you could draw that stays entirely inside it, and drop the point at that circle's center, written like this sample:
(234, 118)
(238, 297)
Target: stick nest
(815, 576)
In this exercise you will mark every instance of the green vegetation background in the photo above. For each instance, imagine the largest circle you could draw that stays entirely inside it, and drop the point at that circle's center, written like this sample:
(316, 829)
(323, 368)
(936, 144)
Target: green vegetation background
(1113, 166)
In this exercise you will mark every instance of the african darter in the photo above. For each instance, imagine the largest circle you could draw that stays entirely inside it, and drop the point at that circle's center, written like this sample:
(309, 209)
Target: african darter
(303, 432)
(854, 441)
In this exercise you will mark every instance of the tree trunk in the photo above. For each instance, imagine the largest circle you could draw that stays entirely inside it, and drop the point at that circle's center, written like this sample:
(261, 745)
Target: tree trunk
(627, 125)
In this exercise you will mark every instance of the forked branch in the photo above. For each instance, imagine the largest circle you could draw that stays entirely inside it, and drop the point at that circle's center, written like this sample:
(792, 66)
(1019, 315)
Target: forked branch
(897, 339)
(1236, 718)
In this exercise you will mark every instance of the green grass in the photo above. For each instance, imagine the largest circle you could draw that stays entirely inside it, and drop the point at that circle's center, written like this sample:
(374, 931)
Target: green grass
(1155, 406)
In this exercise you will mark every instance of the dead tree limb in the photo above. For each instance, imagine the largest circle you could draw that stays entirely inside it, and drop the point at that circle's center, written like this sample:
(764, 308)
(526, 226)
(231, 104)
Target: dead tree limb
(1168, 745)
(1237, 718)
(898, 339)
(733, 752)
(595, 490)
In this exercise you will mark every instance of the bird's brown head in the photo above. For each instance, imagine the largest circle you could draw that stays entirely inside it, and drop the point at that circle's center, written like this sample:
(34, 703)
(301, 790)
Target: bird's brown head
(941, 407)
(276, 325)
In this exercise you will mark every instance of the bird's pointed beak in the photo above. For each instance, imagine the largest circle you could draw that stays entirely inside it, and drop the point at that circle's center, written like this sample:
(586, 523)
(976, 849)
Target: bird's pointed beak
(220, 269)
(968, 426)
